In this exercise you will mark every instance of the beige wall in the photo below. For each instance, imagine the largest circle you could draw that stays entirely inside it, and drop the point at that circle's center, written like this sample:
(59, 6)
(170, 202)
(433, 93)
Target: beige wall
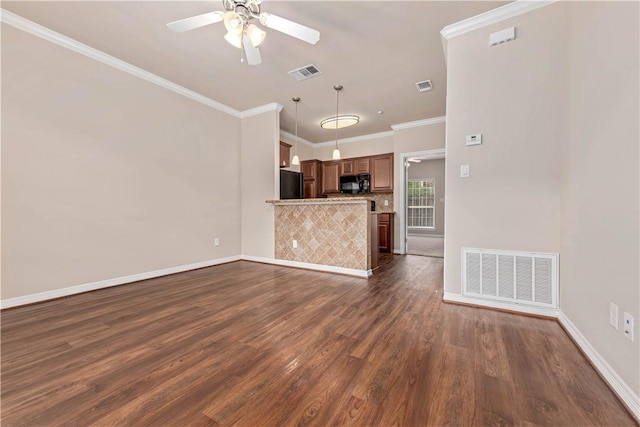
(513, 94)
(105, 175)
(558, 168)
(259, 181)
(433, 169)
(365, 147)
(600, 236)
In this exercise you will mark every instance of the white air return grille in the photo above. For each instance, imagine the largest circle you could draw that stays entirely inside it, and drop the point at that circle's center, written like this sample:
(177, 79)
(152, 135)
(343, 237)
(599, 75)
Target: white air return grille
(511, 277)
(305, 72)
(424, 86)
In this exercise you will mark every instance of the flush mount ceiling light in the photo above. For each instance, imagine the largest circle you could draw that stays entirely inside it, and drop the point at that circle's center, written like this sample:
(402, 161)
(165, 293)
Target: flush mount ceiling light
(241, 31)
(339, 122)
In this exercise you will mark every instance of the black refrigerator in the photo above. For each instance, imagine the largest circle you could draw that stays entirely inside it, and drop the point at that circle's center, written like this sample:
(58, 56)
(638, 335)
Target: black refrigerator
(291, 185)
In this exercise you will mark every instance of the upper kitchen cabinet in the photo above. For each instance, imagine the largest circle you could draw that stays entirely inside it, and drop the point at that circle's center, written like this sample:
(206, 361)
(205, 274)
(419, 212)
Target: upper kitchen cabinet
(382, 172)
(331, 177)
(285, 155)
(362, 165)
(347, 167)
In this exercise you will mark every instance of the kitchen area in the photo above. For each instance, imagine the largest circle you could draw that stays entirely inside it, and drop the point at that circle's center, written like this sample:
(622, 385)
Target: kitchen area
(336, 213)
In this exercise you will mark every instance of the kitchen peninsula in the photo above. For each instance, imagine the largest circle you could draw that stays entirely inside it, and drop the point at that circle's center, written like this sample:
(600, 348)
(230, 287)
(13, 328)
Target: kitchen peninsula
(334, 232)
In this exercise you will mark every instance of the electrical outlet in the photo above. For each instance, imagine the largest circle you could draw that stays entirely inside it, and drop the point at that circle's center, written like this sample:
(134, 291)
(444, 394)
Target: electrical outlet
(386, 202)
(613, 315)
(216, 242)
(295, 244)
(627, 326)
(464, 171)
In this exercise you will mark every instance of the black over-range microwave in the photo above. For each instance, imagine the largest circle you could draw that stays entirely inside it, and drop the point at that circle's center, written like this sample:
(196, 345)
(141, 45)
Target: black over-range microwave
(355, 184)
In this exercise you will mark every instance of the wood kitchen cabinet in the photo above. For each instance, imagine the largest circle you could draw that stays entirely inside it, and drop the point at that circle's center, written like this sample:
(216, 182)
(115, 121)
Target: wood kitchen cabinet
(382, 173)
(347, 167)
(312, 174)
(285, 155)
(355, 166)
(362, 165)
(331, 177)
(385, 235)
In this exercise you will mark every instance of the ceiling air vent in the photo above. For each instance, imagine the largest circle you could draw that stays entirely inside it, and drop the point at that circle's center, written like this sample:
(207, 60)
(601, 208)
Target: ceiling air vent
(305, 72)
(424, 86)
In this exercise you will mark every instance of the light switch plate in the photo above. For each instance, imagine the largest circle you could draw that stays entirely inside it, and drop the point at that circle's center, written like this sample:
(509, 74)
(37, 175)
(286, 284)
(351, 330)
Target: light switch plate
(613, 315)
(464, 171)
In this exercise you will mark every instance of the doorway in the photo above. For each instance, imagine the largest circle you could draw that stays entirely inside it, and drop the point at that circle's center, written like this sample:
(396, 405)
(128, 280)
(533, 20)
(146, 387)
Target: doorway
(422, 222)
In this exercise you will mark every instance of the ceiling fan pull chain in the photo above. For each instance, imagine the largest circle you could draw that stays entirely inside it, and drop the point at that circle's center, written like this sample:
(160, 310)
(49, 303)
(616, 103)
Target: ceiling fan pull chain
(242, 50)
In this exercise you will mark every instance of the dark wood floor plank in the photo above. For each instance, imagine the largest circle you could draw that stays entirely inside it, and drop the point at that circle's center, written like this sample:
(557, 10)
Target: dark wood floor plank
(254, 344)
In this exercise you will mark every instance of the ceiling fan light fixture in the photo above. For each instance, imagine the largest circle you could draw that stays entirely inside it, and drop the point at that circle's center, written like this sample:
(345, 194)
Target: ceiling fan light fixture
(255, 34)
(339, 122)
(233, 22)
(234, 39)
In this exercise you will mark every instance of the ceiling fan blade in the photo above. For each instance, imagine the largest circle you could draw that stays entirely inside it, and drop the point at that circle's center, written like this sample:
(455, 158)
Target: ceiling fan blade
(196, 21)
(291, 28)
(252, 53)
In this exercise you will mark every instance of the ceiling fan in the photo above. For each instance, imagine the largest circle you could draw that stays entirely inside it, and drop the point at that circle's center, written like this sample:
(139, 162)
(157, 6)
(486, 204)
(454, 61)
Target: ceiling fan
(241, 31)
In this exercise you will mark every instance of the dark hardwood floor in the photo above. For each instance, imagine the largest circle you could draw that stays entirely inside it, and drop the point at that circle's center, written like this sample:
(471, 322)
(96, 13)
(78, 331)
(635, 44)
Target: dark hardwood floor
(259, 345)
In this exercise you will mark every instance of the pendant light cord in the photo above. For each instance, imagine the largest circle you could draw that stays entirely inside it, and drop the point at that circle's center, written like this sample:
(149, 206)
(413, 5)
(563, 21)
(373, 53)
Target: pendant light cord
(337, 109)
(295, 149)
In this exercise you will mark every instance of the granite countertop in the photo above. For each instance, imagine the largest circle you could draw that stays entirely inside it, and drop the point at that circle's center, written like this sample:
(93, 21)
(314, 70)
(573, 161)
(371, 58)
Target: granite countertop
(321, 200)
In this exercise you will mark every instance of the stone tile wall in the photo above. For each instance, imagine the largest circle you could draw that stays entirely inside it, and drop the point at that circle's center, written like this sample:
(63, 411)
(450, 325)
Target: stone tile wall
(327, 234)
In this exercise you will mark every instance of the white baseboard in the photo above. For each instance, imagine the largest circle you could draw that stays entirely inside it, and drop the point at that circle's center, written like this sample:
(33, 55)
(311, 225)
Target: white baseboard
(537, 311)
(57, 293)
(617, 384)
(308, 266)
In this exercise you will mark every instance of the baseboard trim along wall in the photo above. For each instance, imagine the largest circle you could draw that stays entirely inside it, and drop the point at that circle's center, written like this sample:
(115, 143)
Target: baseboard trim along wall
(308, 266)
(516, 308)
(101, 284)
(617, 384)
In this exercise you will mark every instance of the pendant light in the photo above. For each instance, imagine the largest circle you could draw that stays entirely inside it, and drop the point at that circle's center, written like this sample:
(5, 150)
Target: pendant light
(336, 152)
(296, 159)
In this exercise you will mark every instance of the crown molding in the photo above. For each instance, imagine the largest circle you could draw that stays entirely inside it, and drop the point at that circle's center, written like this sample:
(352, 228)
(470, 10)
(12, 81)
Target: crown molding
(492, 16)
(49, 35)
(418, 123)
(355, 139)
(293, 138)
(274, 106)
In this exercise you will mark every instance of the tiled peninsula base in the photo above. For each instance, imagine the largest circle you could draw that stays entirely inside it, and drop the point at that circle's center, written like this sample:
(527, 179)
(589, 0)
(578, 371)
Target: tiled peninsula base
(333, 232)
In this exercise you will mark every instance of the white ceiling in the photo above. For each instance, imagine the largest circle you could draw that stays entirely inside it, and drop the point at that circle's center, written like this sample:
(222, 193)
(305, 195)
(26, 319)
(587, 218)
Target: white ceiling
(376, 49)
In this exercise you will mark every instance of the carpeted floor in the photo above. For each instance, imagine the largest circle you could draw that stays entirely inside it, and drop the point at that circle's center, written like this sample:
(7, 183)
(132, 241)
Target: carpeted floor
(425, 245)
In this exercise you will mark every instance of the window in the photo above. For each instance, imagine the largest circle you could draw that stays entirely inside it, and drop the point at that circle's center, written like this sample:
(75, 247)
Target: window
(421, 203)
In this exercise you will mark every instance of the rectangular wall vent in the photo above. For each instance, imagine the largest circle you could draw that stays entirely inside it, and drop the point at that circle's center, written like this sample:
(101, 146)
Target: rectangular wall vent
(305, 72)
(424, 86)
(511, 277)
